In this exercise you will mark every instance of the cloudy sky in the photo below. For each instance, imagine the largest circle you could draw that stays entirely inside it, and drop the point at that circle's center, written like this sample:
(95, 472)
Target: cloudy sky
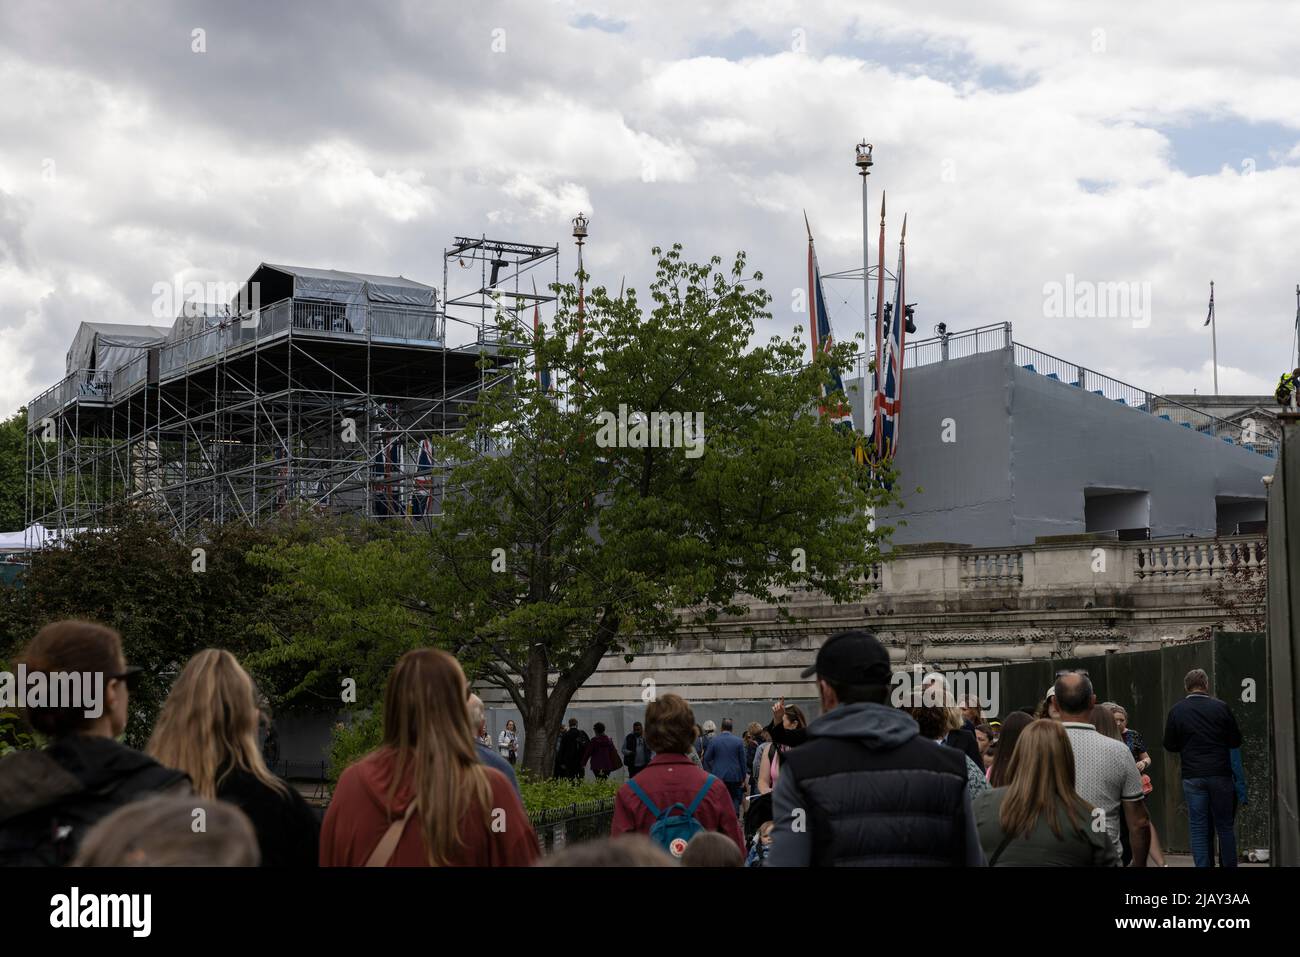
(1031, 144)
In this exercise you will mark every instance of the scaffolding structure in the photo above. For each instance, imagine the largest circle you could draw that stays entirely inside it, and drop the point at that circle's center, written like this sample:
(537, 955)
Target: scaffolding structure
(326, 396)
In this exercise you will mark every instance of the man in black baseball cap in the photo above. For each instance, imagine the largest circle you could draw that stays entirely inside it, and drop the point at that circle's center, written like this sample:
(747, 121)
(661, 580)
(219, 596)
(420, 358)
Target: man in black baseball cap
(866, 789)
(852, 658)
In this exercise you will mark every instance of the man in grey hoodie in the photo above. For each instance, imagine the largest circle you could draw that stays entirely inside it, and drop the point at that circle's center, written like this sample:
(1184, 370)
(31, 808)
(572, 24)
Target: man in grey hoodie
(866, 789)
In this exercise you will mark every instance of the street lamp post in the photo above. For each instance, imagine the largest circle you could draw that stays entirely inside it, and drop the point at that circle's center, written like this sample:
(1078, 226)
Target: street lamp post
(863, 161)
(580, 223)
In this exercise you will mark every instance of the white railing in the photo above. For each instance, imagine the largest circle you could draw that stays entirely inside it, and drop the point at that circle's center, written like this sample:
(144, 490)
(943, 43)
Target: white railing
(1000, 569)
(1199, 560)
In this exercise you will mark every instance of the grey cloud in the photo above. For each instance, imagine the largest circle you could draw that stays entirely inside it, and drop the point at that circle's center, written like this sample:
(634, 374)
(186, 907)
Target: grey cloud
(13, 247)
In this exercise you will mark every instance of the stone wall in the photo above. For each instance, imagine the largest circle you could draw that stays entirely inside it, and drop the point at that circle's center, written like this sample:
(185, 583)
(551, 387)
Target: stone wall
(951, 606)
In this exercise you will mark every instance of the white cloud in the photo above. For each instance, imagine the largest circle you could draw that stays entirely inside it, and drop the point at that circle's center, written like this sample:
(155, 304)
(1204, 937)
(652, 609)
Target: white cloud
(1024, 145)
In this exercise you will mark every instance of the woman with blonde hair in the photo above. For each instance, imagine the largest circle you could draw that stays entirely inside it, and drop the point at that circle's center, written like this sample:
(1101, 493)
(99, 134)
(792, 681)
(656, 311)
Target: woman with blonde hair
(1137, 747)
(956, 734)
(1038, 820)
(208, 729)
(427, 767)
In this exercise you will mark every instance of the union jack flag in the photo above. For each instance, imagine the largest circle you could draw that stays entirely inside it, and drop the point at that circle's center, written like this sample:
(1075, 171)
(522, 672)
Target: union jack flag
(385, 471)
(822, 338)
(423, 480)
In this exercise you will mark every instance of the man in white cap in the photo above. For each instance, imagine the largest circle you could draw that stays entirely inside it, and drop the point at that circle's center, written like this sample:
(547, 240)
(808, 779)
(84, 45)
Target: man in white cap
(1049, 704)
(707, 732)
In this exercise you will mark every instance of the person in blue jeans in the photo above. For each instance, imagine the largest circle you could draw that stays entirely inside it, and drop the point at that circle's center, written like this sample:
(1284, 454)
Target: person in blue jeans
(724, 758)
(1203, 730)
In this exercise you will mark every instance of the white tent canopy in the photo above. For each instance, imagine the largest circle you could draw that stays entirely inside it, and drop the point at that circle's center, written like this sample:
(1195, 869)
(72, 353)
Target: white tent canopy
(33, 537)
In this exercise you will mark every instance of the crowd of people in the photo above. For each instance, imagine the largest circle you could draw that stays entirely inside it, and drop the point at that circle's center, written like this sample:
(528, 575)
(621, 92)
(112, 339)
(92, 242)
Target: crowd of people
(930, 782)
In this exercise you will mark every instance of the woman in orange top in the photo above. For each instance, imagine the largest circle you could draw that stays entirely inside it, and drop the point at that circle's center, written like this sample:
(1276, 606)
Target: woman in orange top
(465, 813)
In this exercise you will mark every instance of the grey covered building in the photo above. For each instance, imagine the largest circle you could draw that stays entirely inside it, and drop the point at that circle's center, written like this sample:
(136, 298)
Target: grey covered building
(1009, 444)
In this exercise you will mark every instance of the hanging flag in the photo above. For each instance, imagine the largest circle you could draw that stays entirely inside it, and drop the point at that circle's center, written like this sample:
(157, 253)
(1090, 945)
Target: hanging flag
(891, 364)
(1210, 317)
(392, 472)
(380, 500)
(423, 480)
(386, 467)
(820, 327)
(878, 380)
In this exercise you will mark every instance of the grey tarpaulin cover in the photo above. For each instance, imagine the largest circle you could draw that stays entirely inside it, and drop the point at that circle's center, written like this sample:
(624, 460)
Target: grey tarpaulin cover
(104, 346)
(354, 289)
(197, 317)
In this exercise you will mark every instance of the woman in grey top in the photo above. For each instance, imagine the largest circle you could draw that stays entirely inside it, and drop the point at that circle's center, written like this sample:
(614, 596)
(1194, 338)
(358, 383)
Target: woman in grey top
(1038, 820)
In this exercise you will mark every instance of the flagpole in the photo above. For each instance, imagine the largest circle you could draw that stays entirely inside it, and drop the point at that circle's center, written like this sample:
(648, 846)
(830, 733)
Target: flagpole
(1296, 338)
(880, 336)
(1214, 340)
(863, 161)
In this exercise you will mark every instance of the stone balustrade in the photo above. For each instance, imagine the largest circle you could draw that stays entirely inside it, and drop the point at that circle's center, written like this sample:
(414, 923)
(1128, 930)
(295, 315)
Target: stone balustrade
(954, 605)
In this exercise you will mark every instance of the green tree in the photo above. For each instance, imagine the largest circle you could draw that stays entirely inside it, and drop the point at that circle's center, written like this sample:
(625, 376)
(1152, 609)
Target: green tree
(13, 451)
(562, 541)
(168, 597)
(342, 613)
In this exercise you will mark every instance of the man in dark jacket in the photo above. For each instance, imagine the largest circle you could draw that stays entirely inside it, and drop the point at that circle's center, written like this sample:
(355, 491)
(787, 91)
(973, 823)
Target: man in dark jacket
(568, 759)
(725, 758)
(866, 789)
(636, 753)
(49, 799)
(1204, 731)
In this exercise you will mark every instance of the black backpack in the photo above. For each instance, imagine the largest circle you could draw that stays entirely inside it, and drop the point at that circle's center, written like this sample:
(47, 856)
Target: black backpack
(50, 834)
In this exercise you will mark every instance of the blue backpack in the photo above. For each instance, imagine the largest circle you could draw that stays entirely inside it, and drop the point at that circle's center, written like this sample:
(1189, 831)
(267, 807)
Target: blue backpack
(669, 831)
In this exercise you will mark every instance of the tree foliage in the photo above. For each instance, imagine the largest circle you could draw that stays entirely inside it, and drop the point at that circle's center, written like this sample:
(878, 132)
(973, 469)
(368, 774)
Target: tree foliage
(555, 548)
(136, 576)
(13, 446)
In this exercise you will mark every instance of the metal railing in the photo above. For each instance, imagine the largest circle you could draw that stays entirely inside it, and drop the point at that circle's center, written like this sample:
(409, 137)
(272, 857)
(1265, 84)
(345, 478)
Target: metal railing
(363, 320)
(321, 316)
(392, 321)
(1070, 373)
(129, 374)
(358, 321)
(996, 337)
(557, 827)
(82, 385)
(956, 345)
